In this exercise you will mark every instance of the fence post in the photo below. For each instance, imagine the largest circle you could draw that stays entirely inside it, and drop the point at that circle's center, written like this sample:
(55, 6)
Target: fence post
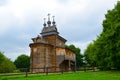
(26, 72)
(93, 68)
(75, 69)
(62, 70)
(46, 70)
(85, 68)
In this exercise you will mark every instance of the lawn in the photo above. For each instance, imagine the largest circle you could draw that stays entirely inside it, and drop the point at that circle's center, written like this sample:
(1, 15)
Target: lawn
(100, 75)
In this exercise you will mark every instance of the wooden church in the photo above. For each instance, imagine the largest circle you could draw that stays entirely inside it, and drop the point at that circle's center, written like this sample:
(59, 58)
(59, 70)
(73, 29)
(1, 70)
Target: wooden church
(48, 51)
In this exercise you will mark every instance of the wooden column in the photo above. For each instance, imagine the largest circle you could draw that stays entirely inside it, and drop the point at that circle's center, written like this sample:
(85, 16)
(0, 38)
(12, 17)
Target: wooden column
(69, 67)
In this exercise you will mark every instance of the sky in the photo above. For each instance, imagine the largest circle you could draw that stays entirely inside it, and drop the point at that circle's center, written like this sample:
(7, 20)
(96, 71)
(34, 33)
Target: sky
(78, 21)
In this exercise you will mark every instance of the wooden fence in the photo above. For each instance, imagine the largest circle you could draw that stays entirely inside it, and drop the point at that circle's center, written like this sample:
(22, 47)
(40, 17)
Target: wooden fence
(26, 71)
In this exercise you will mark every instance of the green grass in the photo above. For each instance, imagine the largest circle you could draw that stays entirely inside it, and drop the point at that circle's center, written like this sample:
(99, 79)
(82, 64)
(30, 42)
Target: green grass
(101, 75)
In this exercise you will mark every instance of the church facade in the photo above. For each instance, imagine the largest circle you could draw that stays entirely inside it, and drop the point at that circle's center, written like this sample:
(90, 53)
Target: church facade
(48, 51)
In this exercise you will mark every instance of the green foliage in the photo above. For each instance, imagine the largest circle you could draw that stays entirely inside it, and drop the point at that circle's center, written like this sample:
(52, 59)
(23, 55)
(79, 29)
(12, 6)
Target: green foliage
(22, 61)
(1, 57)
(6, 65)
(105, 50)
(90, 56)
(16, 71)
(79, 57)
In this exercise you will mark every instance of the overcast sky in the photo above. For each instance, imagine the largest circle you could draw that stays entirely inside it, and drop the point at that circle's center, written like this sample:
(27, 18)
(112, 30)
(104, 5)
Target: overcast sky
(78, 21)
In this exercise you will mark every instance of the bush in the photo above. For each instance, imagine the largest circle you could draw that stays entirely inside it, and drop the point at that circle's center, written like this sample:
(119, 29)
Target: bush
(6, 65)
(22, 61)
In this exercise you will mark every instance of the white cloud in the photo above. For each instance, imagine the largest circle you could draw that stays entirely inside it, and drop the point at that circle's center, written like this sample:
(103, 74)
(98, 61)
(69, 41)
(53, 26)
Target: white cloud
(23, 9)
(14, 53)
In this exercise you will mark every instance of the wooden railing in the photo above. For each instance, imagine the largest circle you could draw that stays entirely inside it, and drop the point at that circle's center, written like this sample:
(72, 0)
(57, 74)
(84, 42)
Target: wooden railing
(26, 71)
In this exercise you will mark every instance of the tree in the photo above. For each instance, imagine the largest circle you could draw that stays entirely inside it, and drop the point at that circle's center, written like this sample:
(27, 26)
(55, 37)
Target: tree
(105, 50)
(22, 61)
(6, 65)
(90, 56)
(79, 57)
(111, 30)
